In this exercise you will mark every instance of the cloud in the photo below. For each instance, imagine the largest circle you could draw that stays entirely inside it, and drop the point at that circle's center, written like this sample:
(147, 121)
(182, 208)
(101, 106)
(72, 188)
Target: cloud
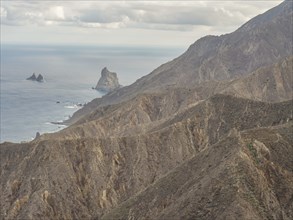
(168, 23)
(55, 13)
(164, 15)
(3, 13)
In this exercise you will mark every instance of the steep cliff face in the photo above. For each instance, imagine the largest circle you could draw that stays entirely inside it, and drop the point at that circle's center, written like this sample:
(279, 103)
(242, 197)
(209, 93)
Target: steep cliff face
(108, 81)
(200, 151)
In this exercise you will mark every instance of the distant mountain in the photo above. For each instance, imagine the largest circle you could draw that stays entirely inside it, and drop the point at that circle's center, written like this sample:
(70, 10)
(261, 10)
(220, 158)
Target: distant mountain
(205, 136)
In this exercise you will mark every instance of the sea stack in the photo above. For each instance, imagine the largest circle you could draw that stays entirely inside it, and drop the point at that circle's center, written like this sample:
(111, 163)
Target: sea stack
(108, 81)
(37, 135)
(32, 77)
(40, 78)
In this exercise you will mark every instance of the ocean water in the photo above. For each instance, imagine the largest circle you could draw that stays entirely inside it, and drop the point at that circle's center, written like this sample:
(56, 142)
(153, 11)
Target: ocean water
(70, 72)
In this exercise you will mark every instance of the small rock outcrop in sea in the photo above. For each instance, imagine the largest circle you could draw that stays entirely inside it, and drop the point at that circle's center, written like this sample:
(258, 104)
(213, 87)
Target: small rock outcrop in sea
(108, 81)
(33, 77)
(37, 135)
(40, 78)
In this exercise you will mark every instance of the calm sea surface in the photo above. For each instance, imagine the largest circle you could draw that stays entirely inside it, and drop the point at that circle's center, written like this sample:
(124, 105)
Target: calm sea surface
(70, 72)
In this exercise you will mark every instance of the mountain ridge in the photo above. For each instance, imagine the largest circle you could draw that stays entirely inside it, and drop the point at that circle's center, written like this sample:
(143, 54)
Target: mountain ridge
(215, 58)
(230, 187)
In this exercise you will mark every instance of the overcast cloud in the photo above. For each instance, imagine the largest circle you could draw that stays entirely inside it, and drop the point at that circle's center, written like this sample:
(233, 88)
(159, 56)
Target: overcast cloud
(112, 22)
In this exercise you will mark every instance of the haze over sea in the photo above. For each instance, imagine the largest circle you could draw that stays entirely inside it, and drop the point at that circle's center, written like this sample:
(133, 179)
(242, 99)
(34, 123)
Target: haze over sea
(70, 72)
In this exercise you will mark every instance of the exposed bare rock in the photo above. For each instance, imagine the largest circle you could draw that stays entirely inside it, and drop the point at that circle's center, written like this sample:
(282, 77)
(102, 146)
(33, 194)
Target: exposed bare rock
(108, 81)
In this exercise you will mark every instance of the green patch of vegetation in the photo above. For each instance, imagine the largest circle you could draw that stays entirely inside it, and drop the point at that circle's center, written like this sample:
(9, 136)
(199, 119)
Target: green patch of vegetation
(253, 152)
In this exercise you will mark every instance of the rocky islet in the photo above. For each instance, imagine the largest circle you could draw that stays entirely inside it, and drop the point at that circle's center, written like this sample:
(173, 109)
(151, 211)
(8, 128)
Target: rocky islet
(108, 81)
(38, 78)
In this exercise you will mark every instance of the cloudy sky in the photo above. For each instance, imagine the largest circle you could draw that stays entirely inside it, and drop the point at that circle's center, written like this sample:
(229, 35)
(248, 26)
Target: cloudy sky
(164, 23)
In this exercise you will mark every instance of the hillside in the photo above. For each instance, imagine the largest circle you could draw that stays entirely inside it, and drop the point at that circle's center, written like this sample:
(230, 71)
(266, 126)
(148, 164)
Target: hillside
(205, 136)
(271, 83)
(98, 173)
(240, 177)
(262, 41)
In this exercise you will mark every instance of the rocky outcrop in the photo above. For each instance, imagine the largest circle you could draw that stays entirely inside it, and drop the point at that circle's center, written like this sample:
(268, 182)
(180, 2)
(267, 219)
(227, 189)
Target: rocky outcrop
(37, 135)
(108, 81)
(33, 77)
(40, 78)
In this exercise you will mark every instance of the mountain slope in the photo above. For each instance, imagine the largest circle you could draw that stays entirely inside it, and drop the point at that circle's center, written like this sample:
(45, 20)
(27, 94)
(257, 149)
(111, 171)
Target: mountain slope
(83, 175)
(262, 41)
(231, 55)
(270, 83)
(242, 176)
(172, 136)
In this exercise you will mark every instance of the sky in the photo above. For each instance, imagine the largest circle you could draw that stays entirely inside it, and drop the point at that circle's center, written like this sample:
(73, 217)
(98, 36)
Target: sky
(126, 23)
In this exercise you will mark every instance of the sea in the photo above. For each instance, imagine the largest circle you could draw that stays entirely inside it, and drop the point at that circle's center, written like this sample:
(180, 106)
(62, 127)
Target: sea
(69, 74)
